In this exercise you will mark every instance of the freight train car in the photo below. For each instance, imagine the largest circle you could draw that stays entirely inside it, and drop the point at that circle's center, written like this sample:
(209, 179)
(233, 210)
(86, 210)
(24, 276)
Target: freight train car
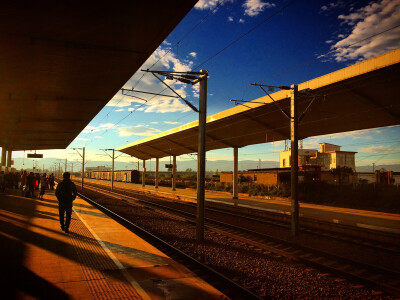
(122, 176)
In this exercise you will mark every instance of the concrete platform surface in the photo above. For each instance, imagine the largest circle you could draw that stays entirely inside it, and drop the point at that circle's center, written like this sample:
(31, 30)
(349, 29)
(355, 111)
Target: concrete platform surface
(98, 259)
(380, 221)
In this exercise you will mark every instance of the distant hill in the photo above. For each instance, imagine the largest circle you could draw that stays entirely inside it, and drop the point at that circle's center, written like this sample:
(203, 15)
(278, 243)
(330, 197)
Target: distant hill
(220, 165)
(394, 168)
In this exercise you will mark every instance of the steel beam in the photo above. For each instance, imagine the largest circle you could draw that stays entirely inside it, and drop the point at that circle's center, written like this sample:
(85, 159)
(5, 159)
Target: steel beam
(294, 161)
(235, 174)
(144, 174)
(174, 172)
(201, 159)
(156, 175)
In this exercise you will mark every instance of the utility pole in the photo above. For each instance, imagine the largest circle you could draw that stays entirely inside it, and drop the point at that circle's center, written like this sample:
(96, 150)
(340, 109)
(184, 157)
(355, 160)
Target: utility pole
(193, 78)
(65, 168)
(112, 169)
(201, 158)
(373, 167)
(112, 164)
(83, 163)
(83, 166)
(295, 160)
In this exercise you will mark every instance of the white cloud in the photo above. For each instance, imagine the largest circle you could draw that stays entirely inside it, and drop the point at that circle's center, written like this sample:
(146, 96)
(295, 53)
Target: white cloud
(120, 109)
(81, 139)
(170, 122)
(230, 19)
(139, 130)
(91, 129)
(241, 20)
(365, 22)
(380, 149)
(98, 137)
(331, 6)
(167, 105)
(329, 41)
(161, 59)
(154, 122)
(195, 90)
(254, 7)
(206, 4)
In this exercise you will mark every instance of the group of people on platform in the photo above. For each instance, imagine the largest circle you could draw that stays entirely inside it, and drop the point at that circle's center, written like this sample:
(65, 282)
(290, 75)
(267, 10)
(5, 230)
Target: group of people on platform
(26, 182)
(66, 191)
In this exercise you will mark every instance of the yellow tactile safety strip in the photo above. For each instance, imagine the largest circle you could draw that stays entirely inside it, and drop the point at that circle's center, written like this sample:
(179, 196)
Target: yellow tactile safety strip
(94, 260)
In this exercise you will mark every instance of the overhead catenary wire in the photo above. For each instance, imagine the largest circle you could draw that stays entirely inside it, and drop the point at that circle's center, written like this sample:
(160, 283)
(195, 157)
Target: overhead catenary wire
(181, 39)
(304, 63)
(278, 128)
(179, 42)
(312, 59)
(279, 10)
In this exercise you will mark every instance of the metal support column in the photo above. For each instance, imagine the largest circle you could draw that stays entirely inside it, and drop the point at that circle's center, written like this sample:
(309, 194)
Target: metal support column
(201, 159)
(9, 154)
(3, 157)
(294, 161)
(83, 166)
(112, 169)
(156, 175)
(174, 173)
(144, 174)
(235, 174)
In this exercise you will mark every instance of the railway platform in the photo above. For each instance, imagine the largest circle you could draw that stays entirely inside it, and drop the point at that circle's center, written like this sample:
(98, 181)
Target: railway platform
(379, 221)
(98, 259)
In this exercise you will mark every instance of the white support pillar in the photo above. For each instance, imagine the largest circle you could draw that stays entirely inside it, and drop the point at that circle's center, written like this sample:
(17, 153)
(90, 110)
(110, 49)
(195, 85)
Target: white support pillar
(144, 174)
(9, 154)
(156, 175)
(174, 173)
(235, 174)
(3, 157)
(112, 169)
(83, 167)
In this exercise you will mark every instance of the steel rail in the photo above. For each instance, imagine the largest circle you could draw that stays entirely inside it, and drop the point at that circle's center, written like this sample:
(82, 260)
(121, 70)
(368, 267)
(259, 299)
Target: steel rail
(321, 260)
(348, 234)
(229, 287)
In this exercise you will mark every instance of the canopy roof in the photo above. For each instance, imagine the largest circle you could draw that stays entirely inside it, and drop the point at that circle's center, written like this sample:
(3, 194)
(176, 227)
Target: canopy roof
(361, 96)
(62, 61)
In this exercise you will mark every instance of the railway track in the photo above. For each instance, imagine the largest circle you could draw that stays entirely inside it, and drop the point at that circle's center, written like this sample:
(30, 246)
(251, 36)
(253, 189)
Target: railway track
(373, 276)
(382, 241)
(216, 279)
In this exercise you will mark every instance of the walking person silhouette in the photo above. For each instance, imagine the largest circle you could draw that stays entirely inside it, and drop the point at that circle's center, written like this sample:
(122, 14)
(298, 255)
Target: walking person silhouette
(66, 193)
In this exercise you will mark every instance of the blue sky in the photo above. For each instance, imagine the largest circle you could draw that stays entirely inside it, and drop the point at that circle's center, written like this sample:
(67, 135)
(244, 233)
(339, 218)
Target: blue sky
(284, 50)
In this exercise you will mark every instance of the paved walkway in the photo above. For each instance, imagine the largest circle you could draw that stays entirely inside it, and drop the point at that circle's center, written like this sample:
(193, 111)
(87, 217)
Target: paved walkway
(99, 259)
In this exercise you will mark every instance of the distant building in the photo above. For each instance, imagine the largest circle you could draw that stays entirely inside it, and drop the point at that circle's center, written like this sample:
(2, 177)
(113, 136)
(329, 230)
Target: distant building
(329, 157)
(305, 156)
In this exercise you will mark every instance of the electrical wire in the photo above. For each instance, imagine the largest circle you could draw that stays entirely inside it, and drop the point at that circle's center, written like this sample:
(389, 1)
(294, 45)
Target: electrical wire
(246, 33)
(161, 57)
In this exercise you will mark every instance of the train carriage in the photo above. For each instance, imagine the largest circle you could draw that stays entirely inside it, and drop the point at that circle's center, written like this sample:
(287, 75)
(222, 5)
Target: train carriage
(121, 176)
